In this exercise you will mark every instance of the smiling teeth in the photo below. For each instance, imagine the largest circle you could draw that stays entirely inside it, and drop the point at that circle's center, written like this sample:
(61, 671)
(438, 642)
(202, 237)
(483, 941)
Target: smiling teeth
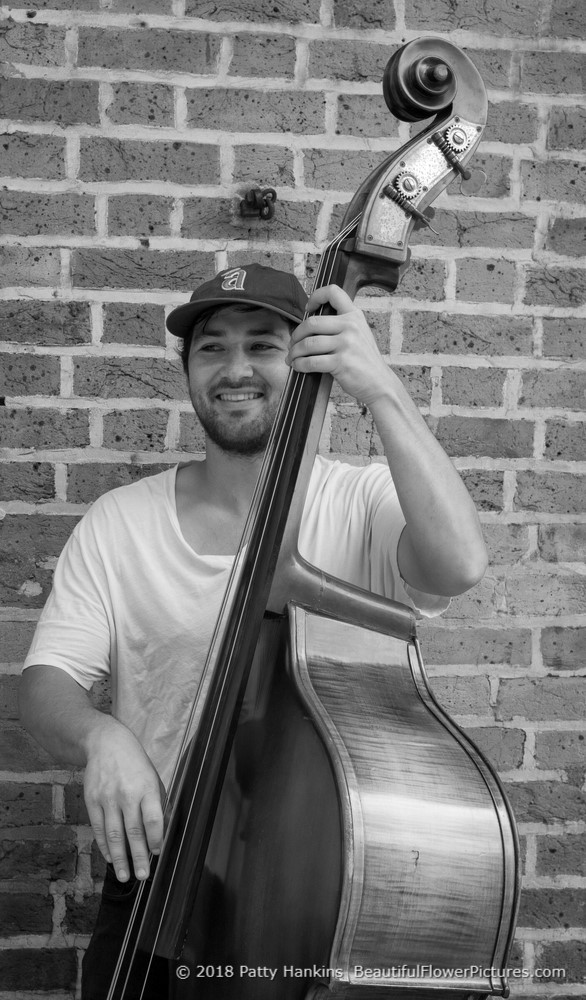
(239, 397)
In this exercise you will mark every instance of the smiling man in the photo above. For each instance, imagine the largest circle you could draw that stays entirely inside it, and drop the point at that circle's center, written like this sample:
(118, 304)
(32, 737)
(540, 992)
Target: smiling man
(139, 584)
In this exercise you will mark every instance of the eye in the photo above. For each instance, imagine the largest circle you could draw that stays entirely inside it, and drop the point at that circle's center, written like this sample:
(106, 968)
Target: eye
(209, 348)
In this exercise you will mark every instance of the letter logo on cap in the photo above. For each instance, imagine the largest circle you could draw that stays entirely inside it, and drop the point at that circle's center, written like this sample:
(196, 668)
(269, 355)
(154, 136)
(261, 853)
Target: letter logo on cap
(234, 280)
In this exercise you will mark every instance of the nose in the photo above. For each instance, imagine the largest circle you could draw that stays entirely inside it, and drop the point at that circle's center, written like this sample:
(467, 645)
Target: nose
(237, 364)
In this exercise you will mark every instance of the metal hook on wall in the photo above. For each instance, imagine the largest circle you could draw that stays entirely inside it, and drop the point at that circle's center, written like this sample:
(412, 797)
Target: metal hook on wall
(259, 202)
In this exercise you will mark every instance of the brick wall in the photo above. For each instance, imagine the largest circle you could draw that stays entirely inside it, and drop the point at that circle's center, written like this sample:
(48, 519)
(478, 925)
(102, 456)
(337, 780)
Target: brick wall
(131, 130)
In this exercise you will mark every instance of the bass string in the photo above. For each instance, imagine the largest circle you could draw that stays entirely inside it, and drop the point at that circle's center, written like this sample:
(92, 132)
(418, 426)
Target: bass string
(270, 473)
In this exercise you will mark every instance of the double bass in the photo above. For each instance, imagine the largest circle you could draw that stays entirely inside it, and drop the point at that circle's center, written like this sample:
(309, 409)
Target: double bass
(330, 831)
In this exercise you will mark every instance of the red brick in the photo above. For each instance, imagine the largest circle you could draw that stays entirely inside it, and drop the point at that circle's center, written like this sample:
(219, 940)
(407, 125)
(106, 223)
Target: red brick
(31, 482)
(38, 968)
(264, 166)
(564, 648)
(511, 122)
(545, 594)
(564, 338)
(561, 854)
(477, 229)
(37, 853)
(80, 917)
(496, 18)
(566, 236)
(250, 111)
(87, 482)
(75, 810)
(546, 698)
(473, 386)
(9, 696)
(28, 547)
(485, 488)
(15, 640)
(29, 266)
(353, 433)
(494, 437)
(552, 73)
(506, 543)
(562, 542)
(424, 280)
(26, 913)
(32, 44)
(449, 333)
(565, 750)
(150, 269)
(43, 428)
(263, 55)
(545, 801)
(494, 66)
(463, 695)
(369, 14)
(349, 60)
(502, 747)
(485, 280)
(477, 646)
(364, 115)
(415, 378)
(30, 321)
(136, 430)
(553, 180)
(134, 323)
(142, 215)
(558, 388)
(141, 103)
(567, 19)
(111, 378)
(563, 908)
(20, 752)
(33, 155)
(148, 49)
(567, 959)
(567, 128)
(25, 805)
(482, 601)
(191, 436)
(107, 159)
(30, 374)
(550, 492)
(342, 170)
(72, 102)
(24, 213)
(257, 11)
(565, 440)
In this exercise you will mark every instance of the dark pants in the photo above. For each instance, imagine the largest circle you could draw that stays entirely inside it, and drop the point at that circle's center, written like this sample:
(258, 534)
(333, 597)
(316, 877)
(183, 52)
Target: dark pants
(100, 959)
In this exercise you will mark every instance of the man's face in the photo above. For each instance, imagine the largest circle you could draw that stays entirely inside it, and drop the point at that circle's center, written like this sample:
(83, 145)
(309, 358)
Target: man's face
(236, 373)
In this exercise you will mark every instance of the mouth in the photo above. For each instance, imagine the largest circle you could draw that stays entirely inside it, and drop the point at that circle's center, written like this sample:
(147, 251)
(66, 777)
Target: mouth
(238, 397)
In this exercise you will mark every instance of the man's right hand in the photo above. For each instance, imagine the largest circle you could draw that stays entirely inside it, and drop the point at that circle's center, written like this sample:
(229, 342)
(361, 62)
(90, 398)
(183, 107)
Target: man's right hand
(123, 791)
(123, 795)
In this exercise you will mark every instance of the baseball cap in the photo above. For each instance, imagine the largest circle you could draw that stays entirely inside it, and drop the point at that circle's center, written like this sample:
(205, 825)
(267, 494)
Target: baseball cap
(255, 284)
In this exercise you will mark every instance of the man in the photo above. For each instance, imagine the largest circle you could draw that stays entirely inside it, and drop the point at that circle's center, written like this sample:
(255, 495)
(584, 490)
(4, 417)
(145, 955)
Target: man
(138, 586)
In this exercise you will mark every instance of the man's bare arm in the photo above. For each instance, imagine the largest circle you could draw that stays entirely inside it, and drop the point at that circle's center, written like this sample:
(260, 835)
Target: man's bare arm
(122, 788)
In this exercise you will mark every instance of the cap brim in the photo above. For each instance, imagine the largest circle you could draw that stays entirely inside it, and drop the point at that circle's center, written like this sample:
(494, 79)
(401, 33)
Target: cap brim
(180, 321)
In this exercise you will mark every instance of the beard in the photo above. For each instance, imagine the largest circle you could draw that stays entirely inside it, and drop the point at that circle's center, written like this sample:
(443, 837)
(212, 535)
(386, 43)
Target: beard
(232, 432)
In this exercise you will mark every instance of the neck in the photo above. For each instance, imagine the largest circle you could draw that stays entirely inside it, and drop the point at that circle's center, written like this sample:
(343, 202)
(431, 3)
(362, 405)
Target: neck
(226, 481)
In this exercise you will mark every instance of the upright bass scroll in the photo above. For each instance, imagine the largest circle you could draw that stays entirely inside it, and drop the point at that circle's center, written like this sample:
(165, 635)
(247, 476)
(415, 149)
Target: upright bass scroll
(328, 817)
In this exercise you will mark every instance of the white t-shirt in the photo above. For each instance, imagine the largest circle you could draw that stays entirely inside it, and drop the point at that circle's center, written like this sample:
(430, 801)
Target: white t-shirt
(132, 599)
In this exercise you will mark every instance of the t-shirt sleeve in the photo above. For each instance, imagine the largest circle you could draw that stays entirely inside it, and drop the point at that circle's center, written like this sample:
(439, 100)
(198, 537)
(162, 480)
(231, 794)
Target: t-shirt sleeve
(386, 526)
(75, 627)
